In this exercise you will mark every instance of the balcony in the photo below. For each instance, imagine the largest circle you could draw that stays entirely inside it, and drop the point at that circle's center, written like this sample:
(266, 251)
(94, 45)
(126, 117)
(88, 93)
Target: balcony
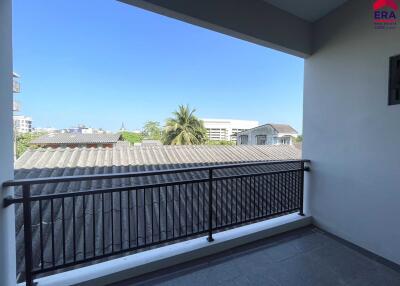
(16, 86)
(71, 228)
(304, 257)
(16, 106)
(346, 78)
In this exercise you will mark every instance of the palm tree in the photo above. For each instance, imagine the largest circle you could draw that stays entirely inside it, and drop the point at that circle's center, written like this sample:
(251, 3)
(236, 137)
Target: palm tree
(184, 128)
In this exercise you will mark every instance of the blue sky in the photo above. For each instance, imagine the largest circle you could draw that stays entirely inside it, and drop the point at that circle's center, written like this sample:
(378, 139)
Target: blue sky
(102, 62)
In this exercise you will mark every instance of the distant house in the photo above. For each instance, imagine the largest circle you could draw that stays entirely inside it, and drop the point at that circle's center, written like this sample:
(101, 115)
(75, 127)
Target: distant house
(72, 140)
(268, 134)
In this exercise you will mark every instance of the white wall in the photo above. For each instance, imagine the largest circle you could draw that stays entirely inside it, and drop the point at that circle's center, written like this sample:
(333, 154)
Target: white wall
(354, 187)
(7, 221)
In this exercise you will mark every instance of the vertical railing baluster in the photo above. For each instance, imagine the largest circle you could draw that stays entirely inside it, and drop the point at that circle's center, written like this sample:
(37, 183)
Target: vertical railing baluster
(112, 220)
(236, 200)
(274, 196)
(159, 213)
(73, 228)
(53, 255)
(27, 234)
(179, 210)
(120, 222)
(102, 224)
(198, 207)
(192, 206)
(152, 219)
(166, 212)
(144, 217)
(226, 200)
(84, 226)
(41, 235)
(301, 212)
(63, 228)
(292, 190)
(204, 205)
(254, 196)
(94, 225)
(298, 189)
(267, 192)
(173, 211)
(210, 216)
(280, 192)
(137, 216)
(231, 196)
(242, 200)
(220, 198)
(186, 210)
(246, 193)
(129, 218)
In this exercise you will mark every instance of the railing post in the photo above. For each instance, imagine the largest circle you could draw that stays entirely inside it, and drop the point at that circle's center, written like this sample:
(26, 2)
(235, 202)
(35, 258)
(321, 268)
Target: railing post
(210, 216)
(27, 234)
(301, 212)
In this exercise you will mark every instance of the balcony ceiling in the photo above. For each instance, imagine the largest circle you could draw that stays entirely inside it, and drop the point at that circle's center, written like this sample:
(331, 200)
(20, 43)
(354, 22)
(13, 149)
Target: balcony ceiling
(309, 10)
(284, 25)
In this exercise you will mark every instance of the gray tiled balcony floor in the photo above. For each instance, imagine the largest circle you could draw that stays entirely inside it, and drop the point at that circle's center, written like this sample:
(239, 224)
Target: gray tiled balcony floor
(303, 257)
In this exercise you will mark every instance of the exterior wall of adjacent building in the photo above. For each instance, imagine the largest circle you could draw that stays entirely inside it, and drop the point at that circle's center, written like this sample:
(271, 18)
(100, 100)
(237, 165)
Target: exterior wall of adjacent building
(22, 124)
(264, 135)
(7, 215)
(226, 129)
(353, 188)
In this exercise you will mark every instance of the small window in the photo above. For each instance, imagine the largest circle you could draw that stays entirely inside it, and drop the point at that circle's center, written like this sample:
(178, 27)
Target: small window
(394, 80)
(261, 139)
(244, 139)
(286, 140)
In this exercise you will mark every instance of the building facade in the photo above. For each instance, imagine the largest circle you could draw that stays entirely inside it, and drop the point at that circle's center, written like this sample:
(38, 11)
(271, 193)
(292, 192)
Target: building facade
(226, 129)
(268, 134)
(22, 124)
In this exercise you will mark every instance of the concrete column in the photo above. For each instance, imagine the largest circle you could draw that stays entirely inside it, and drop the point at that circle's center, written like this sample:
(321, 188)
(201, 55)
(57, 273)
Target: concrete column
(7, 216)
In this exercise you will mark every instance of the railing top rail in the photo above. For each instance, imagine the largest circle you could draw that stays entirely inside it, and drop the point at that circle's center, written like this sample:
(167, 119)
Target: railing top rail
(36, 181)
(138, 187)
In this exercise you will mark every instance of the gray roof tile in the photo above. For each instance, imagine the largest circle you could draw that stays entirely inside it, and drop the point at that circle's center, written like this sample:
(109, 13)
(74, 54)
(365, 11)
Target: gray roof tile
(77, 138)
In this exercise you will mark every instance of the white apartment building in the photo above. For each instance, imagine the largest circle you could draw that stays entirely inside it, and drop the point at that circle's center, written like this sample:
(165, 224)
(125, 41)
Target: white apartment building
(22, 124)
(226, 129)
(45, 130)
(16, 84)
(83, 129)
(268, 134)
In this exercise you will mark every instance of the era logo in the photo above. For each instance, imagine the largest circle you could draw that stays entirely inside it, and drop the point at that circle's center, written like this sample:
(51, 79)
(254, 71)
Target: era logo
(385, 11)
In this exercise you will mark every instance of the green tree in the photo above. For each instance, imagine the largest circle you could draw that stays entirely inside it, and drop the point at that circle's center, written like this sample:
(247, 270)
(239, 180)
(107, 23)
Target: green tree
(23, 141)
(184, 128)
(298, 139)
(132, 137)
(152, 130)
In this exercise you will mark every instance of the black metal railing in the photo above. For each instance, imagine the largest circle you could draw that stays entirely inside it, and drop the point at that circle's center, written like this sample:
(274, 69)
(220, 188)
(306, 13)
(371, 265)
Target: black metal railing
(79, 221)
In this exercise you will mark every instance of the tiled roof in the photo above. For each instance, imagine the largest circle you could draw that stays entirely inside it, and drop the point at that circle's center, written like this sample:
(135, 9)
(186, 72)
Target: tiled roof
(41, 163)
(284, 128)
(76, 138)
(135, 156)
(280, 128)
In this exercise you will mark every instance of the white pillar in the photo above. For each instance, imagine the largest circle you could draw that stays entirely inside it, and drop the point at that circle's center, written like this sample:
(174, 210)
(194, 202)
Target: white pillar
(7, 219)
